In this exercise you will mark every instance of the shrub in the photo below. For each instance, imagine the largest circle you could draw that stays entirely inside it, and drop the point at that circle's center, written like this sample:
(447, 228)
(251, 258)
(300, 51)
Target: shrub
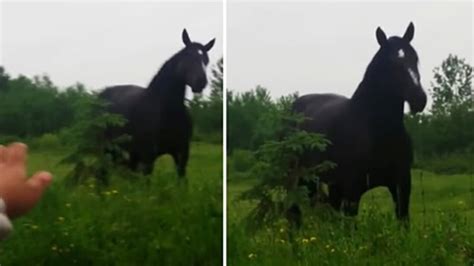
(4, 140)
(46, 141)
(278, 166)
(453, 163)
(242, 160)
(92, 155)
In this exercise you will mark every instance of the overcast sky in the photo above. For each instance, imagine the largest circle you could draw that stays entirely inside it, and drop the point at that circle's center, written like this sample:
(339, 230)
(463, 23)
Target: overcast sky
(326, 46)
(102, 43)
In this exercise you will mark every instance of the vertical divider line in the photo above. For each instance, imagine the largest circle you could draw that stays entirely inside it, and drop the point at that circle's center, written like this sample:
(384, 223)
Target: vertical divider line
(224, 133)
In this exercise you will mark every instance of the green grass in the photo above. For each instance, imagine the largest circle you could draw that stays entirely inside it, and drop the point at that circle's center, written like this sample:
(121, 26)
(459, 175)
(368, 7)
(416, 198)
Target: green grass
(441, 230)
(132, 222)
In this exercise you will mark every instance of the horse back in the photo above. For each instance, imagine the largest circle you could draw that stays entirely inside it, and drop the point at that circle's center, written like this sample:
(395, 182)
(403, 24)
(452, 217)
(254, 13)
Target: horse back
(121, 99)
(320, 110)
(333, 116)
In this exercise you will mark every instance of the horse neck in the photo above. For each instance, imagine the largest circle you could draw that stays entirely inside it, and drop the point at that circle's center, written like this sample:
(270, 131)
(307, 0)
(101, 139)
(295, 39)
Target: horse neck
(384, 112)
(167, 89)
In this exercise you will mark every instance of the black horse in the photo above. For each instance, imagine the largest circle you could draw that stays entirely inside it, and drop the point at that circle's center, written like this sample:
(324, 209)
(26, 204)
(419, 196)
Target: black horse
(369, 142)
(157, 118)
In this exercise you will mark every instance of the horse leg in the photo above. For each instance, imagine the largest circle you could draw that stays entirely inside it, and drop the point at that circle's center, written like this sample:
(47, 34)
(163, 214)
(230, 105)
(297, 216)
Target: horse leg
(401, 195)
(137, 163)
(133, 162)
(294, 216)
(352, 191)
(335, 196)
(350, 206)
(181, 160)
(147, 168)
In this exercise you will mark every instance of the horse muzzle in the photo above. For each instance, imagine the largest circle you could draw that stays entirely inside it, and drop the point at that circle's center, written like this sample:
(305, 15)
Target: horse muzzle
(198, 86)
(417, 101)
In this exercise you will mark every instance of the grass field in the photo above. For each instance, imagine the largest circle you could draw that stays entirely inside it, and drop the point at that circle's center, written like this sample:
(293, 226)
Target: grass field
(441, 231)
(133, 222)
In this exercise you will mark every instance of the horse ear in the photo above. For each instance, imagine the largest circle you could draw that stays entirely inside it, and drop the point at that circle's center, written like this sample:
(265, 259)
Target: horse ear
(381, 37)
(185, 38)
(408, 36)
(209, 45)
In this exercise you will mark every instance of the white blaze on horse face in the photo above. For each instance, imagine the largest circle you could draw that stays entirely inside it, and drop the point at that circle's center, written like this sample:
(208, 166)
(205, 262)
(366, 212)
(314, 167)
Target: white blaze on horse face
(401, 53)
(414, 77)
(203, 67)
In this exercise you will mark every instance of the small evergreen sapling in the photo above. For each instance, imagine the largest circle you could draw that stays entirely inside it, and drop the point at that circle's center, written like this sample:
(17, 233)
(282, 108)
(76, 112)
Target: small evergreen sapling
(280, 171)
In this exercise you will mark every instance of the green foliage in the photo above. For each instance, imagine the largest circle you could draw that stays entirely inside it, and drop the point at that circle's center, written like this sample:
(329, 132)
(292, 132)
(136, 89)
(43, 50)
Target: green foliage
(207, 111)
(447, 130)
(33, 107)
(47, 141)
(278, 167)
(5, 139)
(452, 163)
(255, 118)
(260, 124)
(452, 88)
(93, 153)
(242, 160)
(139, 222)
(441, 231)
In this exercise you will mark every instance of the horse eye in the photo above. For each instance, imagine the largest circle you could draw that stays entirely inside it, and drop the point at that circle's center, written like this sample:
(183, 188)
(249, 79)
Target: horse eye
(199, 52)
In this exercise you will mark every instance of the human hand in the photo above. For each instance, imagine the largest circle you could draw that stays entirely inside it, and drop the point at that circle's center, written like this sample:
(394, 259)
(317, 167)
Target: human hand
(19, 192)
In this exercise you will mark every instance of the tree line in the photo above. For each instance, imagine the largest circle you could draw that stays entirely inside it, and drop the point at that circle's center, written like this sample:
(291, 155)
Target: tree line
(34, 107)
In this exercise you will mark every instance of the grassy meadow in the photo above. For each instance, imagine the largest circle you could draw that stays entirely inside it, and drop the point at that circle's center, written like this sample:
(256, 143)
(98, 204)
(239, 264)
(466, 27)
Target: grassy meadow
(441, 231)
(145, 221)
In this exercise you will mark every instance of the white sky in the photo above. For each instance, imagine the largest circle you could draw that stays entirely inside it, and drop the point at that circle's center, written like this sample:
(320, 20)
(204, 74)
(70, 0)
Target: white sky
(326, 46)
(310, 46)
(102, 43)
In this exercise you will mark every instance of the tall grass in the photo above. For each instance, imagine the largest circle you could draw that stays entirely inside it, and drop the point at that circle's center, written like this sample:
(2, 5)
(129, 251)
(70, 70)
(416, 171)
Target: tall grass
(441, 230)
(147, 221)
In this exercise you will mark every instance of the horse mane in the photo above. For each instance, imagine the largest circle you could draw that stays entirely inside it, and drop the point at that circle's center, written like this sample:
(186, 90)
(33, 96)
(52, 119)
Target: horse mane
(375, 76)
(162, 78)
(371, 76)
(372, 94)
